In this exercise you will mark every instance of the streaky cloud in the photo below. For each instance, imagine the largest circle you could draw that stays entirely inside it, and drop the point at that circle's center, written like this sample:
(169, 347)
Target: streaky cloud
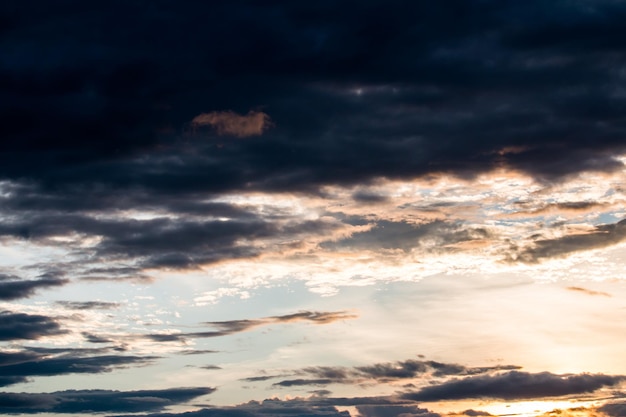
(15, 326)
(97, 401)
(515, 385)
(13, 288)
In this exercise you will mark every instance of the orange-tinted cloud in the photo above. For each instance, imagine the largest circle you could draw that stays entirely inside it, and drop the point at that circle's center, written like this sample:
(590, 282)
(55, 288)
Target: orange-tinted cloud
(233, 124)
(590, 292)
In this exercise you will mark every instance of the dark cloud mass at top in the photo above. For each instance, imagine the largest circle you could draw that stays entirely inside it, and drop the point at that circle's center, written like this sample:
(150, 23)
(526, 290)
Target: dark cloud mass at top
(355, 91)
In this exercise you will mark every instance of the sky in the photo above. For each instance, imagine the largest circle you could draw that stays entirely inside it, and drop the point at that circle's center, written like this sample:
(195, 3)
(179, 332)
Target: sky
(328, 208)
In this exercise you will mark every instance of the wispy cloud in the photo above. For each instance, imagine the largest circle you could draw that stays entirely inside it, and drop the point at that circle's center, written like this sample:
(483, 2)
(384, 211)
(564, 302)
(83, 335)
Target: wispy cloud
(229, 327)
(588, 291)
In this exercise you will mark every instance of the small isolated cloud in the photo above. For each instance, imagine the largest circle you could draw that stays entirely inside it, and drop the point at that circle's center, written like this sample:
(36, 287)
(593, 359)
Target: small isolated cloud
(88, 305)
(588, 291)
(228, 123)
(384, 372)
(515, 386)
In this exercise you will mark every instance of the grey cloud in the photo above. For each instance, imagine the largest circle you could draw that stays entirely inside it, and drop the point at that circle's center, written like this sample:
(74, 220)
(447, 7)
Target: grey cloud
(394, 411)
(97, 401)
(225, 328)
(15, 326)
(614, 409)
(92, 338)
(197, 351)
(405, 236)
(475, 413)
(515, 386)
(160, 242)
(299, 382)
(602, 236)
(13, 288)
(308, 407)
(386, 372)
(88, 305)
(19, 366)
(260, 378)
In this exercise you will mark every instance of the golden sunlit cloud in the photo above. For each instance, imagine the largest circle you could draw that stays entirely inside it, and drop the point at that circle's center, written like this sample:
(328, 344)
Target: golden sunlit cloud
(230, 123)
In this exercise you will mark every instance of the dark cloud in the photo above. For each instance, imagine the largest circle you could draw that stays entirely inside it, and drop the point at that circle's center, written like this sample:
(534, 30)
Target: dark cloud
(299, 382)
(394, 411)
(97, 401)
(602, 236)
(88, 305)
(405, 236)
(514, 386)
(19, 366)
(588, 291)
(475, 413)
(384, 372)
(92, 338)
(197, 351)
(266, 408)
(260, 378)
(317, 405)
(13, 288)
(614, 409)
(383, 89)
(161, 242)
(211, 367)
(15, 326)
